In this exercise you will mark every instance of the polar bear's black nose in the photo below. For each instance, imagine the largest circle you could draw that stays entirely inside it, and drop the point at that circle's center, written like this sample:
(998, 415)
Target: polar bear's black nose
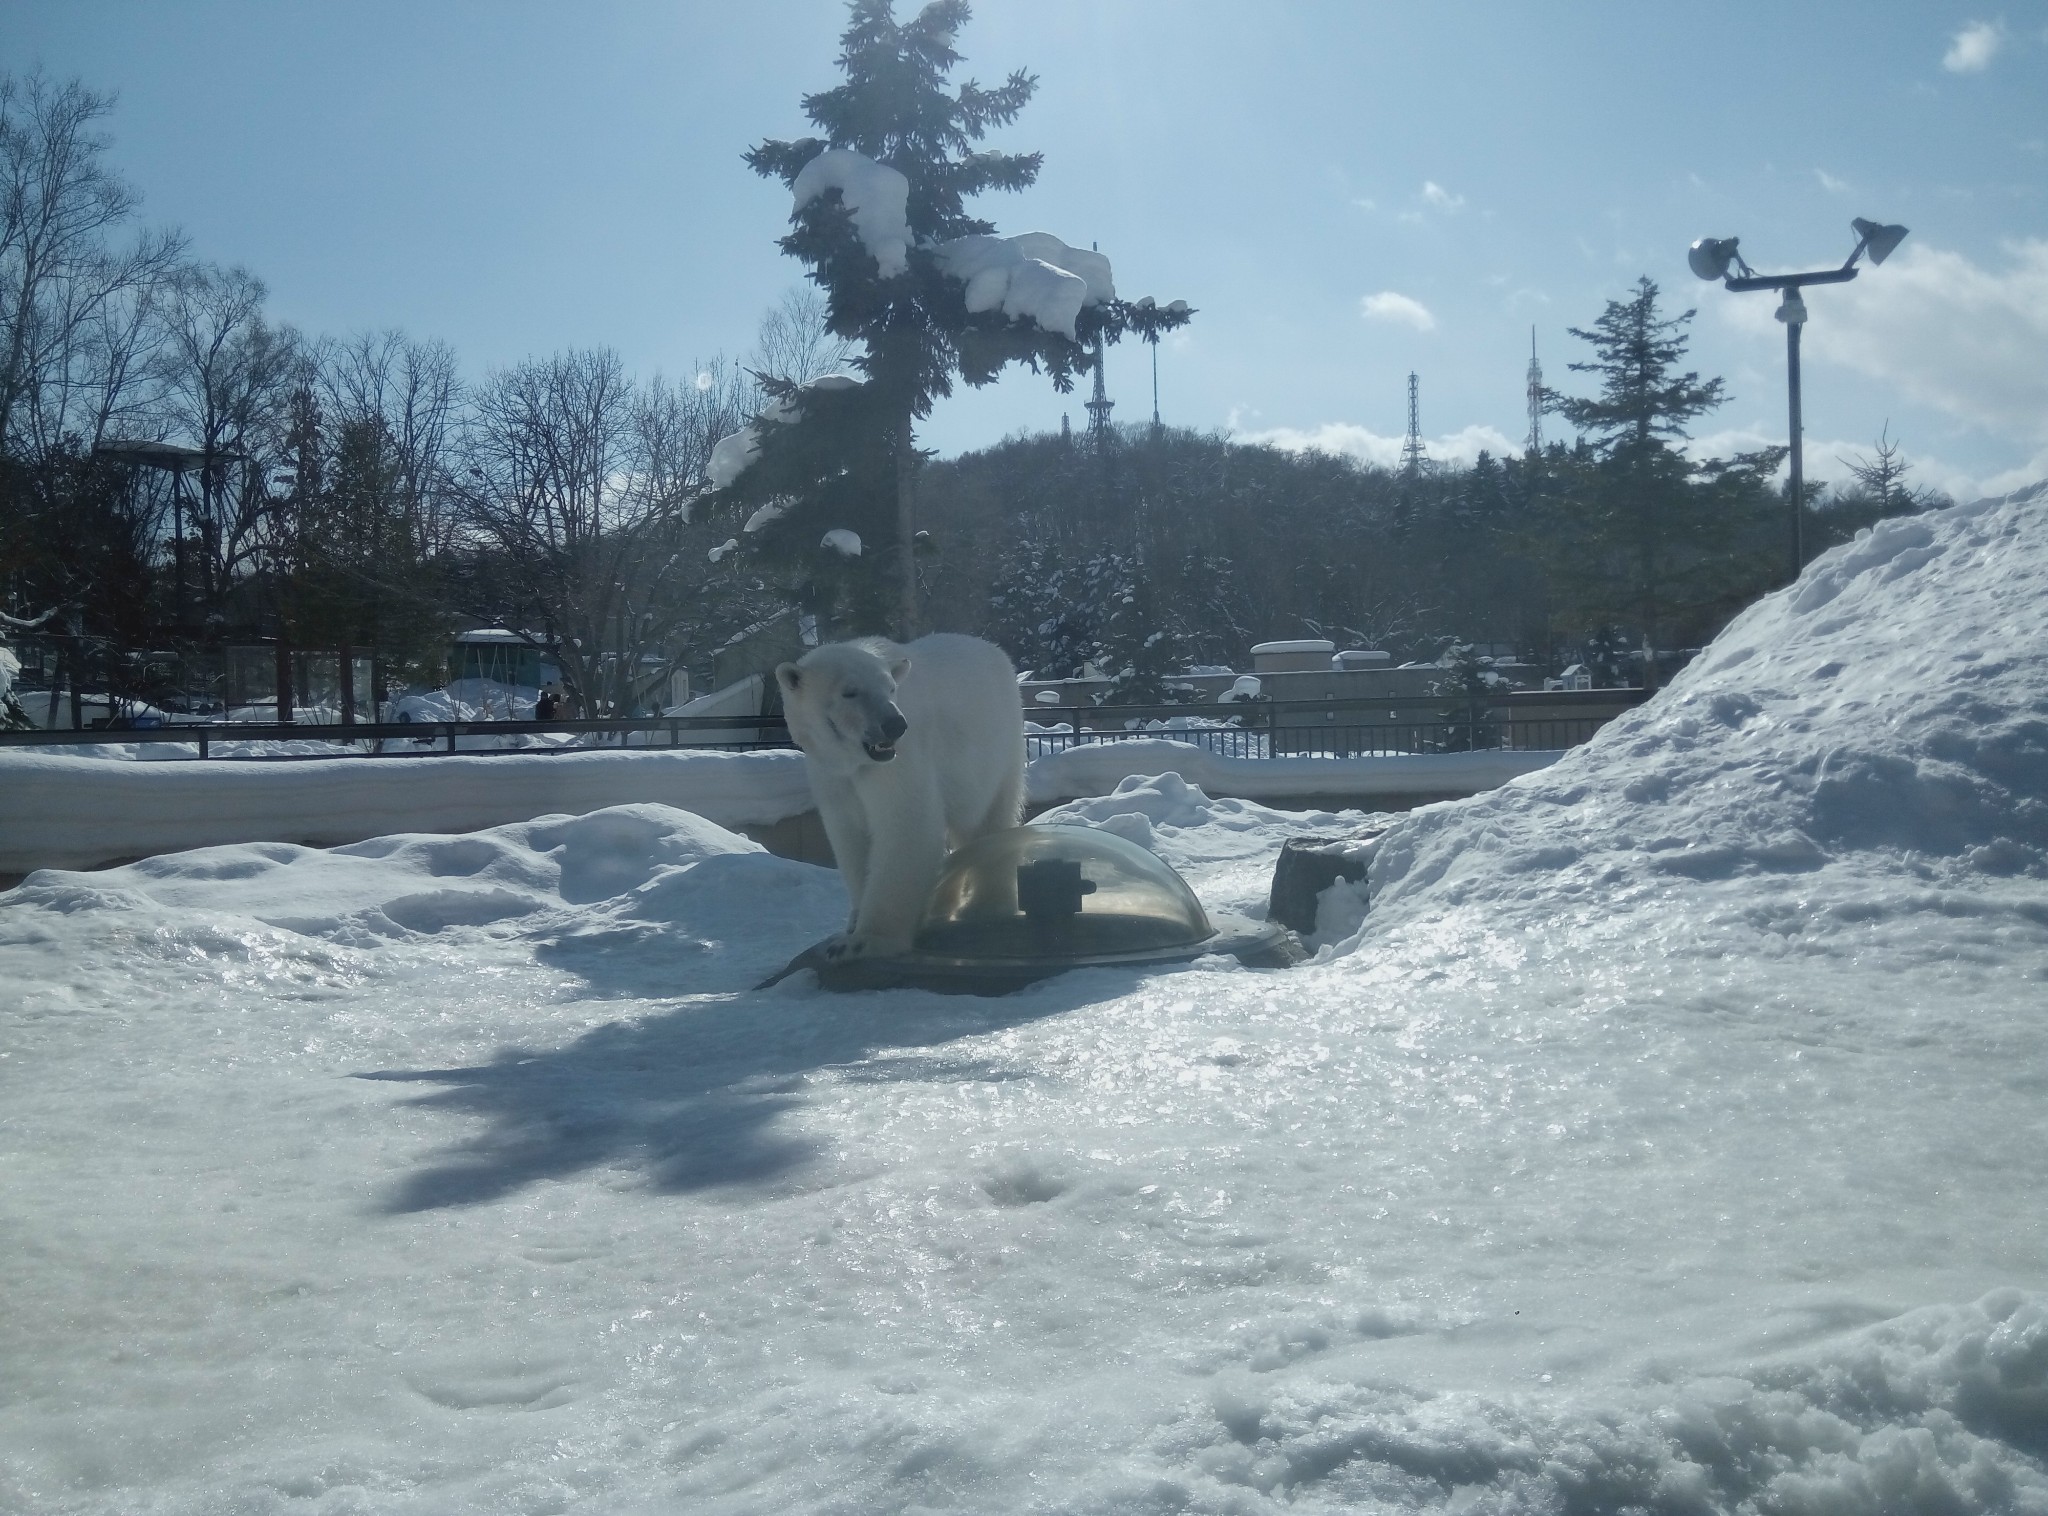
(893, 726)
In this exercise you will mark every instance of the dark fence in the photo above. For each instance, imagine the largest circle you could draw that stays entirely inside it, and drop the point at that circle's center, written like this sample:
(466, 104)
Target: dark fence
(1348, 728)
(415, 739)
(1355, 727)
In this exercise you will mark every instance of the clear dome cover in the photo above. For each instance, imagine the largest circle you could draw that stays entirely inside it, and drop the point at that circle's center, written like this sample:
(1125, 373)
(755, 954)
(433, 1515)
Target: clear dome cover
(1035, 893)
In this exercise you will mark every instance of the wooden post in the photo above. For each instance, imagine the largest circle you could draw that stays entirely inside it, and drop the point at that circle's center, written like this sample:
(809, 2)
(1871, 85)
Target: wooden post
(284, 677)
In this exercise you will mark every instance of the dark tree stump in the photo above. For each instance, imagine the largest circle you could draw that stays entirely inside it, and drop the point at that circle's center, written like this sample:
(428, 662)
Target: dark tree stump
(1309, 865)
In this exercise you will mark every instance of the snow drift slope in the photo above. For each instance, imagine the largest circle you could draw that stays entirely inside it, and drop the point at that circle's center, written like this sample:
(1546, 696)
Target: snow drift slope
(1884, 720)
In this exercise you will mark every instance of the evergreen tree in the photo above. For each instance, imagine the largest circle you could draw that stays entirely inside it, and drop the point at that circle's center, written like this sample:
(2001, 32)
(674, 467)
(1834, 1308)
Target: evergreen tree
(880, 218)
(1633, 530)
(1470, 679)
(1643, 401)
(1877, 489)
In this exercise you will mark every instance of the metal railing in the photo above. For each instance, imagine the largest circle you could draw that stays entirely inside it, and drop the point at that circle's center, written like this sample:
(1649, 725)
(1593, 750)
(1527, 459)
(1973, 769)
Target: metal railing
(1384, 726)
(413, 739)
(1353, 727)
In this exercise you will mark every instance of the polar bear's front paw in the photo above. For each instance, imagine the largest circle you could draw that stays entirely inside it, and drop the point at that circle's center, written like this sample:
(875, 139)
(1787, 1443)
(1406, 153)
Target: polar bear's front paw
(844, 948)
(851, 945)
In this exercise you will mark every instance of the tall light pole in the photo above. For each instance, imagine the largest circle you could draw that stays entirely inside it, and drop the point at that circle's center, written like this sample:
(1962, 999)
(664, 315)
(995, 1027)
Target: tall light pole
(1715, 257)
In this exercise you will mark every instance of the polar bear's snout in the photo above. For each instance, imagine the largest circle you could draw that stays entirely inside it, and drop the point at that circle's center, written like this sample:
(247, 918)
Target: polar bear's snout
(891, 727)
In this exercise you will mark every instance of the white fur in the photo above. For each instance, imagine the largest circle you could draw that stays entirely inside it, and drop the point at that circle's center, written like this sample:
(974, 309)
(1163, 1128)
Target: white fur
(957, 773)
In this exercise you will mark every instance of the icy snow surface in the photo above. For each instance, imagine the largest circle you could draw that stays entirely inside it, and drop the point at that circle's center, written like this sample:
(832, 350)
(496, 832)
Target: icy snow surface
(1670, 1137)
(875, 195)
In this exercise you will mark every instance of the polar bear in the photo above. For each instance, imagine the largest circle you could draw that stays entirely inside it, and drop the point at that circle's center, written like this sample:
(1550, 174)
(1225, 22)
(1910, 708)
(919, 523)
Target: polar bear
(913, 749)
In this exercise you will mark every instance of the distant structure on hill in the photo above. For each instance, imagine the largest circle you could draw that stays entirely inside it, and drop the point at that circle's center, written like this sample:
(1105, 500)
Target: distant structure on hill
(1412, 457)
(1099, 406)
(1535, 398)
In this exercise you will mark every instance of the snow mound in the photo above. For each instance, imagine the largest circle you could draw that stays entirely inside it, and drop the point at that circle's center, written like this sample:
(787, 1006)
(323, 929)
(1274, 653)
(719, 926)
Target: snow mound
(1225, 844)
(414, 884)
(875, 195)
(1914, 1415)
(1879, 728)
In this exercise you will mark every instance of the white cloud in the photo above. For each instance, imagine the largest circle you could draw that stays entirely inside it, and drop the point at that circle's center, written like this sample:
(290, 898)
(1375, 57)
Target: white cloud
(1351, 441)
(1827, 461)
(1439, 198)
(1971, 50)
(1389, 306)
(1830, 183)
(1969, 341)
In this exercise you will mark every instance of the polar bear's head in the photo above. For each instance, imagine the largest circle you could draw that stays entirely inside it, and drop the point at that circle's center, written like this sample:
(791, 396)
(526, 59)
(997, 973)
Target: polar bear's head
(840, 701)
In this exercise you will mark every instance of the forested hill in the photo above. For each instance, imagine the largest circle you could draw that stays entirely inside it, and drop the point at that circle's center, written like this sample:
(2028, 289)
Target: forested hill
(1052, 545)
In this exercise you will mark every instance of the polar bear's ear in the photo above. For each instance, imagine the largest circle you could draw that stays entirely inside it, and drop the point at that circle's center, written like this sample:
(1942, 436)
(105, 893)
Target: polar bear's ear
(789, 676)
(898, 669)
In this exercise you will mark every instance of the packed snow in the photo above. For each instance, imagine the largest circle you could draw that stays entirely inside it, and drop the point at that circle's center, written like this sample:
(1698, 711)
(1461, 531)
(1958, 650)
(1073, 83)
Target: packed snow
(1667, 1137)
(876, 196)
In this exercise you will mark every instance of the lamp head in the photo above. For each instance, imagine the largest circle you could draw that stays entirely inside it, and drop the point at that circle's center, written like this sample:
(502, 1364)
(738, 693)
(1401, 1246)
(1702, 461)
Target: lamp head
(1710, 257)
(1878, 240)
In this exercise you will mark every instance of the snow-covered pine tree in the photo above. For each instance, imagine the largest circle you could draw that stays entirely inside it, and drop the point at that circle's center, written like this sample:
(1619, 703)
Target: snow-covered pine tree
(12, 716)
(821, 484)
(1470, 679)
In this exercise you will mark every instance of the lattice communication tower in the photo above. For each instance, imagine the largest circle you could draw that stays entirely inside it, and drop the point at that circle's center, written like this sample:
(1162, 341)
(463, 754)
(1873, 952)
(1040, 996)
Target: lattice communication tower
(1411, 449)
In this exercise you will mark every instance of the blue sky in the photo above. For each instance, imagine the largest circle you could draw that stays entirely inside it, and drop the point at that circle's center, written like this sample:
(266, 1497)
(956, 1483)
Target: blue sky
(1346, 191)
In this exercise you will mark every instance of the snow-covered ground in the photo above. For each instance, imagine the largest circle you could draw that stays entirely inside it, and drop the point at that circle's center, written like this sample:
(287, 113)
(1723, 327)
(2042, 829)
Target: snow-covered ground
(1671, 1136)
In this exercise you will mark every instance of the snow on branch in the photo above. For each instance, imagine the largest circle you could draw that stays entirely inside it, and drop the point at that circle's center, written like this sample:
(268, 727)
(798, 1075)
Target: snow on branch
(876, 196)
(1033, 276)
(735, 453)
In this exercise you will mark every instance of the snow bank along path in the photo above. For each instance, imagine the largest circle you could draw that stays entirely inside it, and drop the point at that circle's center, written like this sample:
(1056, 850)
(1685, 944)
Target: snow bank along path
(62, 811)
(1669, 1138)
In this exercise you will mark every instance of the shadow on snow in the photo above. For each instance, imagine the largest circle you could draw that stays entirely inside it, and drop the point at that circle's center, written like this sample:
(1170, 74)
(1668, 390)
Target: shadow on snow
(691, 1096)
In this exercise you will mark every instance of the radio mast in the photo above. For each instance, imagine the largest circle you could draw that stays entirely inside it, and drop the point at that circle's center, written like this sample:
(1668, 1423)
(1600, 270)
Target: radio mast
(1411, 450)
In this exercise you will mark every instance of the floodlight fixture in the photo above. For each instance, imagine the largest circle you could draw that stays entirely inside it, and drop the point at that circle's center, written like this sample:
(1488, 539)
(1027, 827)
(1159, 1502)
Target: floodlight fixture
(1718, 258)
(1878, 241)
(1711, 257)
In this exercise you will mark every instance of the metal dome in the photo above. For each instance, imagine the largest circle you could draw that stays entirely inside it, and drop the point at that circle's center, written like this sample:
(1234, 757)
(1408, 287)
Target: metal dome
(1037, 892)
(1023, 904)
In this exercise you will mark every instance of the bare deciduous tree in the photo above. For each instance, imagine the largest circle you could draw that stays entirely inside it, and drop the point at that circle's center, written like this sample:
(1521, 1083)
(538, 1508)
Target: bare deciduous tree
(229, 383)
(75, 327)
(409, 387)
(795, 342)
(581, 484)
